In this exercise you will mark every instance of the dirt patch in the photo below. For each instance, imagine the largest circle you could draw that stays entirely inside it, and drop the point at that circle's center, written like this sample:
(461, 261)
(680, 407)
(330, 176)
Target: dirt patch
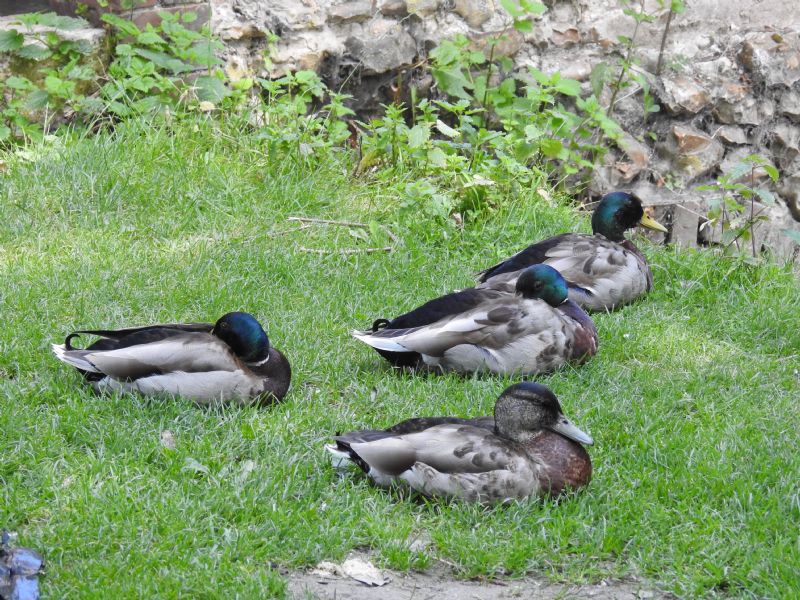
(438, 583)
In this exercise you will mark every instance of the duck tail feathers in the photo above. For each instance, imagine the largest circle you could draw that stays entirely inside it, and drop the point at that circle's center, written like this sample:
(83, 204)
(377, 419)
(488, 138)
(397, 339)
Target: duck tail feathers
(76, 358)
(380, 342)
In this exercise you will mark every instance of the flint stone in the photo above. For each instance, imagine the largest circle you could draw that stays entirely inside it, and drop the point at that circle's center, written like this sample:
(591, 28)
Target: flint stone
(565, 37)
(638, 155)
(683, 95)
(697, 153)
(350, 11)
(785, 144)
(423, 8)
(393, 8)
(790, 105)
(789, 191)
(686, 219)
(745, 112)
(772, 59)
(474, 12)
(384, 46)
(731, 134)
(230, 17)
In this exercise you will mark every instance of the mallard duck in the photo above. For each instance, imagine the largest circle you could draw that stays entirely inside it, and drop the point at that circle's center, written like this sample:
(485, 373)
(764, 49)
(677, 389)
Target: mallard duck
(230, 360)
(604, 270)
(528, 449)
(532, 330)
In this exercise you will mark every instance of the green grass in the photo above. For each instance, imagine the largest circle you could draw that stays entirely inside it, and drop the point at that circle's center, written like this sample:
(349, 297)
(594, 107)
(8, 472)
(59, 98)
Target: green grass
(692, 399)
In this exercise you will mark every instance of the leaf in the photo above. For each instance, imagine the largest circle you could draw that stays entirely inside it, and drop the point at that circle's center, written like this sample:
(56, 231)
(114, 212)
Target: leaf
(568, 87)
(771, 171)
(10, 40)
(739, 170)
(165, 61)
(597, 78)
(766, 196)
(19, 83)
(125, 27)
(203, 54)
(551, 148)
(5, 132)
(437, 157)
(51, 19)
(37, 100)
(418, 135)
(150, 38)
(523, 25)
(535, 8)
(445, 129)
(453, 82)
(210, 88)
(512, 8)
(34, 52)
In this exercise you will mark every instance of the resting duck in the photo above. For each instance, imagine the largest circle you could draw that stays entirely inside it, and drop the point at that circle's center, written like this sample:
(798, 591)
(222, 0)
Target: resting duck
(532, 330)
(603, 270)
(231, 360)
(528, 449)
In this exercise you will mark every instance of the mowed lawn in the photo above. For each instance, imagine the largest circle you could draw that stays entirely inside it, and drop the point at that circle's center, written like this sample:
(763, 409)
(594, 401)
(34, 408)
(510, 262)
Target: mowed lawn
(693, 399)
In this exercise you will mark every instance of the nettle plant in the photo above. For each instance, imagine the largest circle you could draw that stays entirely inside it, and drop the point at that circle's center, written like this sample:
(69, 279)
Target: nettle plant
(736, 211)
(164, 66)
(491, 131)
(54, 77)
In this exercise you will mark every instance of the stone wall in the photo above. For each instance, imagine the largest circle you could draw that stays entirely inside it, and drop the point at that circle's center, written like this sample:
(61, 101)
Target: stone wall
(141, 13)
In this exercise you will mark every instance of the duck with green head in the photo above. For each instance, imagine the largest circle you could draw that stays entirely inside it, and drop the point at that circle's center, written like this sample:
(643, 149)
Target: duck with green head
(535, 329)
(604, 270)
(527, 449)
(230, 360)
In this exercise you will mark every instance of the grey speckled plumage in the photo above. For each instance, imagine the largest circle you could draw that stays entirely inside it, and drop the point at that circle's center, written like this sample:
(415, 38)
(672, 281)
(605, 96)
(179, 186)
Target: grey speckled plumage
(532, 329)
(529, 449)
(603, 270)
(230, 361)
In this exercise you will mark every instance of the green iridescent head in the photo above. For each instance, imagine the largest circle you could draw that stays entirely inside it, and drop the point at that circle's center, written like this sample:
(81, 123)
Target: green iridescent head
(618, 212)
(244, 334)
(542, 281)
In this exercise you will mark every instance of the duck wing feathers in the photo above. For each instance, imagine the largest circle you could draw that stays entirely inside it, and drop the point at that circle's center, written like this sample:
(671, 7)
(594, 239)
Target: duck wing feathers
(131, 336)
(445, 306)
(190, 352)
(493, 325)
(448, 448)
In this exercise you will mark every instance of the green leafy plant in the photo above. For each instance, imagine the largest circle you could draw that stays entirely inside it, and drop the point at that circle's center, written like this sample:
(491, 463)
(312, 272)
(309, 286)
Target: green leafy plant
(163, 66)
(288, 126)
(735, 210)
(490, 132)
(55, 75)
